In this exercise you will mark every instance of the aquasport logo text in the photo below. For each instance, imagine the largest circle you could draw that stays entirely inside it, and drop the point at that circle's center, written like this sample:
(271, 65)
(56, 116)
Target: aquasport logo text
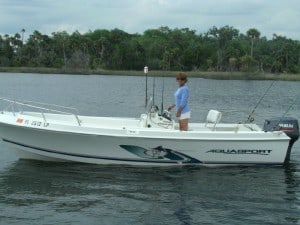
(241, 151)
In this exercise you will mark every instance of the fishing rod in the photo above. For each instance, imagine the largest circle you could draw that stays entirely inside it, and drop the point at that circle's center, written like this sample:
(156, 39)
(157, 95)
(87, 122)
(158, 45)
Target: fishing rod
(162, 96)
(153, 90)
(250, 118)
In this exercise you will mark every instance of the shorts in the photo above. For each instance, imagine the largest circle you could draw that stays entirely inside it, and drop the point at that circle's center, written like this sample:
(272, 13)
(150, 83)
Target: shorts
(186, 115)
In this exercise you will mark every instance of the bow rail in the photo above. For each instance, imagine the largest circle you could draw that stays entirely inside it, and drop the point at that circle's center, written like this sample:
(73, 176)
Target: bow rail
(18, 106)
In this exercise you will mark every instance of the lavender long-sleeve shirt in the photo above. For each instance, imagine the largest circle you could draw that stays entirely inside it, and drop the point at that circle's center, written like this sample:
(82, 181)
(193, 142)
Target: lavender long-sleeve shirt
(181, 98)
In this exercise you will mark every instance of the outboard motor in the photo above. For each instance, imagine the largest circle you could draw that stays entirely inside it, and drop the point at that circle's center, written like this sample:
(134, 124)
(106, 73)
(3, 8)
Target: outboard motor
(288, 125)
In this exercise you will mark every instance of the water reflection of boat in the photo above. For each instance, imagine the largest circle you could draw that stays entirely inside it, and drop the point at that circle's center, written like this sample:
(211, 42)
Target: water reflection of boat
(152, 139)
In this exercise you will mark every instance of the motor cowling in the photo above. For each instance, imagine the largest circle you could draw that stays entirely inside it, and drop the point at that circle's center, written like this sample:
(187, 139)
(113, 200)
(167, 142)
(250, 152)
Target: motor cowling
(288, 125)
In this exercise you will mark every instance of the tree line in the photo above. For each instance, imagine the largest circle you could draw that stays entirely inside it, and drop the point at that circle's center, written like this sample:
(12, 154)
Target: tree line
(219, 49)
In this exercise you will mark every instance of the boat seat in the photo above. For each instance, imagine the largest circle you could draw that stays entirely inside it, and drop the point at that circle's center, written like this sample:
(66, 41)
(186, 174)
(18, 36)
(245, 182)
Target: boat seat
(213, 117)
(143, 120)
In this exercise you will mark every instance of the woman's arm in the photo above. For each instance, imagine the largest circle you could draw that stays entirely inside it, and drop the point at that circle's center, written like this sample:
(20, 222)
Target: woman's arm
(171, 107)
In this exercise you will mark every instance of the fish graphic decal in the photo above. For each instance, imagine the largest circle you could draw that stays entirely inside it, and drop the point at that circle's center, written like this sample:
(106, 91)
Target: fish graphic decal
(159, 153)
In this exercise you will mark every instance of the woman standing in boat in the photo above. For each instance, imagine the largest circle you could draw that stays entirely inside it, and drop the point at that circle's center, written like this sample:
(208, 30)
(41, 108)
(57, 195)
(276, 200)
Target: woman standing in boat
(183, 112)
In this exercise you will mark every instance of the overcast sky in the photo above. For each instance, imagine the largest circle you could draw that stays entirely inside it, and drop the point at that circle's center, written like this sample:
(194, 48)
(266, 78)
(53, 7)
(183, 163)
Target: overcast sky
(135, 16)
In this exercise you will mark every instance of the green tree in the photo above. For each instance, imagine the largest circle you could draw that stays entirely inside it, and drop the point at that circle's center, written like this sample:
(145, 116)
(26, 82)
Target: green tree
(253, 34)
(22, 34)
(223, 35)
(61, 48)
(285, 52)
(6, 51)
(248, 63)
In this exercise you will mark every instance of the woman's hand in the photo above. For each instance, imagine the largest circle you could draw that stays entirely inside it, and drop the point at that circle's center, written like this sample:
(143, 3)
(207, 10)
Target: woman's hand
(171, 107)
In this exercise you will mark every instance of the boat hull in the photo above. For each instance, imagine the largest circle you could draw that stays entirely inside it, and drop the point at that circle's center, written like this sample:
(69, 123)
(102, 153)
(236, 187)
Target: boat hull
(136, 148)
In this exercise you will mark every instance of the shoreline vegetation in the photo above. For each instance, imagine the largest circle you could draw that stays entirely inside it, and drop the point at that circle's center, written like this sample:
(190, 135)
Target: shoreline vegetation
(157, 73)
(164, 50)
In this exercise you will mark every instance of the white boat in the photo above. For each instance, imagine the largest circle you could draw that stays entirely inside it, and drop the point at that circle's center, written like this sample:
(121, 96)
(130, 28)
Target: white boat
(151, 139)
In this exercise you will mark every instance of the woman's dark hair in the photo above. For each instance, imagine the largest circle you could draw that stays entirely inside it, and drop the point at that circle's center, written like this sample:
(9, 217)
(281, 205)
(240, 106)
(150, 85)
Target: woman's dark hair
(181, 76)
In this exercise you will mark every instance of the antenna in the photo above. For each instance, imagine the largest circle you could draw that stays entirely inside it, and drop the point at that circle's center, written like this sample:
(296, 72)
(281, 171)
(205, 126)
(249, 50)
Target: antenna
(146, 72)
(153, 89)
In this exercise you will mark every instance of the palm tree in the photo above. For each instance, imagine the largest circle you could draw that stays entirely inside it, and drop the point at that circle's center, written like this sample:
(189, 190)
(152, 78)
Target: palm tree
(23, 31)
(253, 34)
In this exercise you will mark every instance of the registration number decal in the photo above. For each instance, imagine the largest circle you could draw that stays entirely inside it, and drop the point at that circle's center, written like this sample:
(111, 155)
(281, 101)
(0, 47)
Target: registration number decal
(32, 123)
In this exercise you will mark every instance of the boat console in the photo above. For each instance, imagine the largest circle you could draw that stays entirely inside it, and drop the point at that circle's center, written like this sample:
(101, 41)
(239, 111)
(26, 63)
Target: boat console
(152, 119)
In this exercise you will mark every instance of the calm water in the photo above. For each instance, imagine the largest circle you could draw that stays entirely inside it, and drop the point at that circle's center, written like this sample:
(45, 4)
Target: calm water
(61, 193)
